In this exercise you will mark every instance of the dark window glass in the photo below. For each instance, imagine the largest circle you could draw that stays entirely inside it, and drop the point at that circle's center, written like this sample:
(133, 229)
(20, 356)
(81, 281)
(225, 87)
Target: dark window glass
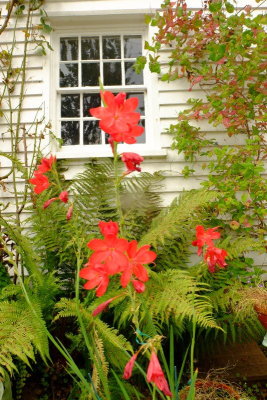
(91, 132)
(142, 138)
(90, 48)
(68, 75)
(131, 77)
(68, 49)
(132, 46)
(70, 105)
(90, 100)
(111, 47)
(141, 101)
(90, 74)
(70, 132)
(112, 73)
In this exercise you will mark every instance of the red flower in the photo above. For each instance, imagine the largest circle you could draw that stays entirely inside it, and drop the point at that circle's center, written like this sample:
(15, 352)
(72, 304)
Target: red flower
(102, 306)
(132, 162)
(129, 367)
(48, 202)
(41, 182)
(109, 251)
(136, 259)
(118, 113)
(205, 237)
(46, 164)
(215, 256)
(156, 375)
(139, 287)
(97, 277)
(64, 196)
(69, 213)
(109, 229)
(129, 135)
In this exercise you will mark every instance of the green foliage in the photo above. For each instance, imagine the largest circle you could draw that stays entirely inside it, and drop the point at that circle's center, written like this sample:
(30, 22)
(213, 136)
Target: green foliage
(235, 101)
(21, 332)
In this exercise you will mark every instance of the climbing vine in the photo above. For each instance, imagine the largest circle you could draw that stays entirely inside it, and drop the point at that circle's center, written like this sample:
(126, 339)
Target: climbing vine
(222, 50)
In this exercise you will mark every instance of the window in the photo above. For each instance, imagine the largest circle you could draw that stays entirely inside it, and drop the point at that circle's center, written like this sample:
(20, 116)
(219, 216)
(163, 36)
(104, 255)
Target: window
(80, 59)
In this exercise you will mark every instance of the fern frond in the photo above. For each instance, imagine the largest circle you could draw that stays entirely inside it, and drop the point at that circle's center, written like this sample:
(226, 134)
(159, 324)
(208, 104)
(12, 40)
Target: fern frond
(21, 334)
(115, 344)
(169, 223)
(176, 295)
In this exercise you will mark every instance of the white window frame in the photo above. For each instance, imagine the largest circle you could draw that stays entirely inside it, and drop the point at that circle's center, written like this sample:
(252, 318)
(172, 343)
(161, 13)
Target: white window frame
(152, 146)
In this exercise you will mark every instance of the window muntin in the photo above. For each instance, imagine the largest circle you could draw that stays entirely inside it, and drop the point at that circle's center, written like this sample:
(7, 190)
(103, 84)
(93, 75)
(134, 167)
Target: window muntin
(83, 59)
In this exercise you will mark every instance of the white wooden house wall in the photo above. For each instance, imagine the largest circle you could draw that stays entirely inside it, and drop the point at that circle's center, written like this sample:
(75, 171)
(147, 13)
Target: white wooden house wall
(171, 97)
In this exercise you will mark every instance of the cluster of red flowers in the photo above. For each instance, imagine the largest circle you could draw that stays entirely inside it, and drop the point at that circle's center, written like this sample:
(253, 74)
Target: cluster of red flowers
(119, 119)
(40, 180)
(42, 183)
(113, 255)
(154, 373)
(213, 255)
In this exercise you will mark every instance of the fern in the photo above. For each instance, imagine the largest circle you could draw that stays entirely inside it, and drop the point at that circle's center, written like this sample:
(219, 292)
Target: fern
(169, 224)
(115, 344)
(21, 335)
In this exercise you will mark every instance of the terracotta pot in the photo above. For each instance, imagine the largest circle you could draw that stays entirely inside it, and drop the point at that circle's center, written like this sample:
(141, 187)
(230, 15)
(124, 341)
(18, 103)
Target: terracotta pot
(203, 385)
(262, 315)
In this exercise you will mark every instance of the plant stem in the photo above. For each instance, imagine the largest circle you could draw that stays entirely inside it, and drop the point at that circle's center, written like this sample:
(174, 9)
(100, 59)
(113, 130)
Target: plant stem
(117, 181)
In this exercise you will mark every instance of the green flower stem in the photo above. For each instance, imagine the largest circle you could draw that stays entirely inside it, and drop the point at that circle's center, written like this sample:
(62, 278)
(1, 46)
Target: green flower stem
(77, 298)
(117, 183)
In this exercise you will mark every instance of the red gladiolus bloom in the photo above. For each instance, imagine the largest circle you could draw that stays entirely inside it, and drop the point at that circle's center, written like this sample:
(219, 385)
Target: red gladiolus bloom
(117, 114)
(48, 202)
(215, 256)
(132, 162)
(128, 136)
(109, 251)
(129, 367)
(69, 213)
(136, 259)
(205, 237)
(40, 181)
(64, 196)
(109, 229)
(97, 277)
(102, 306)
(156, 375)
(139, 287)
(46, 164)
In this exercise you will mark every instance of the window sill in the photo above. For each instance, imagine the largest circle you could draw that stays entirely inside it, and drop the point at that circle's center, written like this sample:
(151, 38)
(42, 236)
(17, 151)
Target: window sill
(84, 153)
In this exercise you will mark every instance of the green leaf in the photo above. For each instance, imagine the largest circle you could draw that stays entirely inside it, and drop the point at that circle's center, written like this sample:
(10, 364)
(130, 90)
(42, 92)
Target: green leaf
(217, 51)
(165, 77)
(229, 7)
(147, 19)
(140, 64)
(215, 7)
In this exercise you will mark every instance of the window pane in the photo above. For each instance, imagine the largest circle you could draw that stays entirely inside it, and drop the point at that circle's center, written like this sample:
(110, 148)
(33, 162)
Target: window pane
(90, 101)
(68, 75)
(69, 49)
(141, 101)
(131, 77)
(132, 46)
(90, 74)
(91, 132)
(70, 132)
(111, 47)
(112, 73)
(142, 138)
(70, 105)
(90, 48)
